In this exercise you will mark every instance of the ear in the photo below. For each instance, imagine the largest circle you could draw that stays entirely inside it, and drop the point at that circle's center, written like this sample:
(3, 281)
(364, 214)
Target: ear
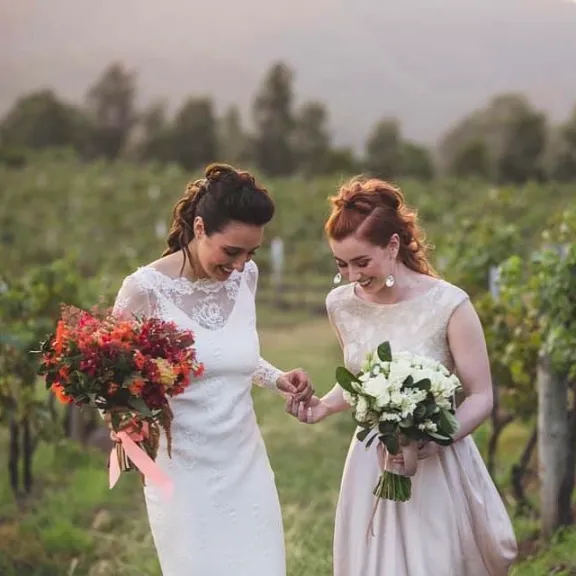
(198, 227)
(394, 246)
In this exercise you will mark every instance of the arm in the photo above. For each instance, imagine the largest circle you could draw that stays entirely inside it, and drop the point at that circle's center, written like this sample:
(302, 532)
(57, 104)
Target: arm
(334, 400)
(468, 348)
(295, 382)
(267, 376)
(132, 300)
(332, 403)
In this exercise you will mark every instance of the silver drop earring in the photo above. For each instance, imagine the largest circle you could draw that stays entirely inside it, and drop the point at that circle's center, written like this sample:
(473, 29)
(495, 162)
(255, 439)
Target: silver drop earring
(337, 279)
(390, 281)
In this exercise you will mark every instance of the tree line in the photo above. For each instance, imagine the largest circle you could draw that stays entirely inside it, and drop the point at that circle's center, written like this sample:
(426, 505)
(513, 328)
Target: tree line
(507, 141)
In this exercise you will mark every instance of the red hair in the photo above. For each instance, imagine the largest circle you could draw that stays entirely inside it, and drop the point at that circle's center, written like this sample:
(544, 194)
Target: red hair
(374, 210)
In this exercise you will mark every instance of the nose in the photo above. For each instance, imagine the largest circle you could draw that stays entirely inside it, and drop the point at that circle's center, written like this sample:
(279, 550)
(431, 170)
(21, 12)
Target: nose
(239, 263)
(354, 275)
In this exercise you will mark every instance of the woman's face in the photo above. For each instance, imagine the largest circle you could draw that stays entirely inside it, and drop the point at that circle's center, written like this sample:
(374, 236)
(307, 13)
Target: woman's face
(367, 264)
(223, 252)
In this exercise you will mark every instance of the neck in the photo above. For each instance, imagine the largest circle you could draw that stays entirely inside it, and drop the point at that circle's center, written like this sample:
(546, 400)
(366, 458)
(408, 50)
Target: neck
(405, 281)
(192, 268)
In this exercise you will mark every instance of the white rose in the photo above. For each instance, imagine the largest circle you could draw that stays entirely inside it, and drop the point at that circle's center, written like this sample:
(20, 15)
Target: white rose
(376, 385)
(399, 371)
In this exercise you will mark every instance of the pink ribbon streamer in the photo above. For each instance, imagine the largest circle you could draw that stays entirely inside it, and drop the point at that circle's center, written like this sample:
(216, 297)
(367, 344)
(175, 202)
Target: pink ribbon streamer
(142, 461)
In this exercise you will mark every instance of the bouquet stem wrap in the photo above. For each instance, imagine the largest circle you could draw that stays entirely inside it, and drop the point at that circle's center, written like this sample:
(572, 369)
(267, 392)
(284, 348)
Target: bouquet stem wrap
(128, 454)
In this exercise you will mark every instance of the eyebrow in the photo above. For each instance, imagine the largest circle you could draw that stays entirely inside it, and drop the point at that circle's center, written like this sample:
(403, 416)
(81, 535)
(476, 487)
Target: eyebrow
(241, 249)
(353, 259)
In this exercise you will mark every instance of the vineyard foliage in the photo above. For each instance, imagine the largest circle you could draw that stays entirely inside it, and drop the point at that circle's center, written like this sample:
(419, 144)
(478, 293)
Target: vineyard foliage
(71, 231)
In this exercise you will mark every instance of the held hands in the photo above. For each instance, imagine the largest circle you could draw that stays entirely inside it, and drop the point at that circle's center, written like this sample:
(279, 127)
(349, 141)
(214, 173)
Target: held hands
(308, 413)
(296, 384)
(301, 402)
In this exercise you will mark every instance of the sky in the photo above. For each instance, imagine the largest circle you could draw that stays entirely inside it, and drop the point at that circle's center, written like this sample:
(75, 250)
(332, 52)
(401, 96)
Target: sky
(427, 62)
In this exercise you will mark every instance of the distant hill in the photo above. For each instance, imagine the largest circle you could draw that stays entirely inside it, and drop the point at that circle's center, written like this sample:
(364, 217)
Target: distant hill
(428, 62)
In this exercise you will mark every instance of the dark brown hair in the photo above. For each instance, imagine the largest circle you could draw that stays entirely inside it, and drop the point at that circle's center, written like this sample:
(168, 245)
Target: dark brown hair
(374, 210)
(223, 196)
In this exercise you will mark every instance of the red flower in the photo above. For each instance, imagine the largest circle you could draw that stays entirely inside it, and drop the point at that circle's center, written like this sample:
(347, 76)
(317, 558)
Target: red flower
(61, 394)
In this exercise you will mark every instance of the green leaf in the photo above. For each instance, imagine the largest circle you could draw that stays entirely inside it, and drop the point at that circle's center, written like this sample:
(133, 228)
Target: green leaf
(140, 406)
(345, 378)
(440, 438)
(362, 435)
(409, 382)
(385, 352)
(413, 433)
(387, 428)
(419, 412)
(447, 423)
(391, 443)
(408, 422)
(431, 408)
(424, 384)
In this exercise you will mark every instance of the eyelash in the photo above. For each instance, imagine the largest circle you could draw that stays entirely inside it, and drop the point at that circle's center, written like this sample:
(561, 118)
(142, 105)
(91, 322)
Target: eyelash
(234, 254)
(362, 265)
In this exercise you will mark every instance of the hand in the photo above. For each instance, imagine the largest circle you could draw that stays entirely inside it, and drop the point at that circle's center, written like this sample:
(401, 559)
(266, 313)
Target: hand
(296, 383)
(428, 450)
(425, 450)
(108, 420)
(310, 413)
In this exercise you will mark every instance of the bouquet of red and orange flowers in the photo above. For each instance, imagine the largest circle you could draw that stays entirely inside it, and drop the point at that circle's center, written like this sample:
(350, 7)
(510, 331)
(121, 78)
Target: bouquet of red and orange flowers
(127, 369)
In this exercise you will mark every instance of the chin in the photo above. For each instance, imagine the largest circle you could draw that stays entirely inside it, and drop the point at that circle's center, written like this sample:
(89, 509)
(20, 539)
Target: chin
(373, 288)
(219, 274)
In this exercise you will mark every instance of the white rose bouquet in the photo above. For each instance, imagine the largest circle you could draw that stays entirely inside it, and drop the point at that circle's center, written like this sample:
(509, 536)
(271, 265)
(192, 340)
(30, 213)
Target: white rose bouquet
(401, 399)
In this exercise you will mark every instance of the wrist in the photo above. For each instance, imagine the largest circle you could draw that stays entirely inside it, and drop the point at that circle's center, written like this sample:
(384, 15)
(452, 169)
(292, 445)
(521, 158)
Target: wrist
(332, 407)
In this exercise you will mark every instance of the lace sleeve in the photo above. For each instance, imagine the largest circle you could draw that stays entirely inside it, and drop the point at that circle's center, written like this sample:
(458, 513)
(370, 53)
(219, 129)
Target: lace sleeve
(133, 299)
(265, 375)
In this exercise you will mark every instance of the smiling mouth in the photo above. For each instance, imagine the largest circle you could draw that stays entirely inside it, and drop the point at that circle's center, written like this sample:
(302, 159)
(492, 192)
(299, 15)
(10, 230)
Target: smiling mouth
(226, 270)
(365, 283)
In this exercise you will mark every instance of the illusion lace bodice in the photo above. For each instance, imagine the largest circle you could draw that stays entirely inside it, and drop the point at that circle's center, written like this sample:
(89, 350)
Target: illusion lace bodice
(224, 517)
(418, 325)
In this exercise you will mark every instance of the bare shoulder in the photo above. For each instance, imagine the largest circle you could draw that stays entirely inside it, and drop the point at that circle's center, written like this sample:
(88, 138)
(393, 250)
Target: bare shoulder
(168, 265)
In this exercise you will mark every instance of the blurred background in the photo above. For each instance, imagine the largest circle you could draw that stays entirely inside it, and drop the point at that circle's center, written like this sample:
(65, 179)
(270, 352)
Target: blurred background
(107, 110)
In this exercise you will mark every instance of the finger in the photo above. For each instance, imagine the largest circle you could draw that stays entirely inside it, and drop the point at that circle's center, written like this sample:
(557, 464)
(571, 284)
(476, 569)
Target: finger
(302, 412)
(302, 382)
(305, 395)
(286, 386)
(309, 392)
(423, 453)
(290, 406)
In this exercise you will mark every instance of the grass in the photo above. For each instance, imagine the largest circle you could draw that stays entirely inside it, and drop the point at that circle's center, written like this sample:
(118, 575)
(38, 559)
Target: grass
(74, 526)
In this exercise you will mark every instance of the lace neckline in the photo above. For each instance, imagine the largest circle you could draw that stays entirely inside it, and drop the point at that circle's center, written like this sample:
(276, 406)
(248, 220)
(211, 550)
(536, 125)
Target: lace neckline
(183, 281)
(384, 305)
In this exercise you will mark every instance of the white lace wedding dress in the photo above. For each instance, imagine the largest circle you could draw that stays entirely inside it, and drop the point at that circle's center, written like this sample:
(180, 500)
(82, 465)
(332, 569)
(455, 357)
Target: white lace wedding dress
(455, 523)
(224, 517)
